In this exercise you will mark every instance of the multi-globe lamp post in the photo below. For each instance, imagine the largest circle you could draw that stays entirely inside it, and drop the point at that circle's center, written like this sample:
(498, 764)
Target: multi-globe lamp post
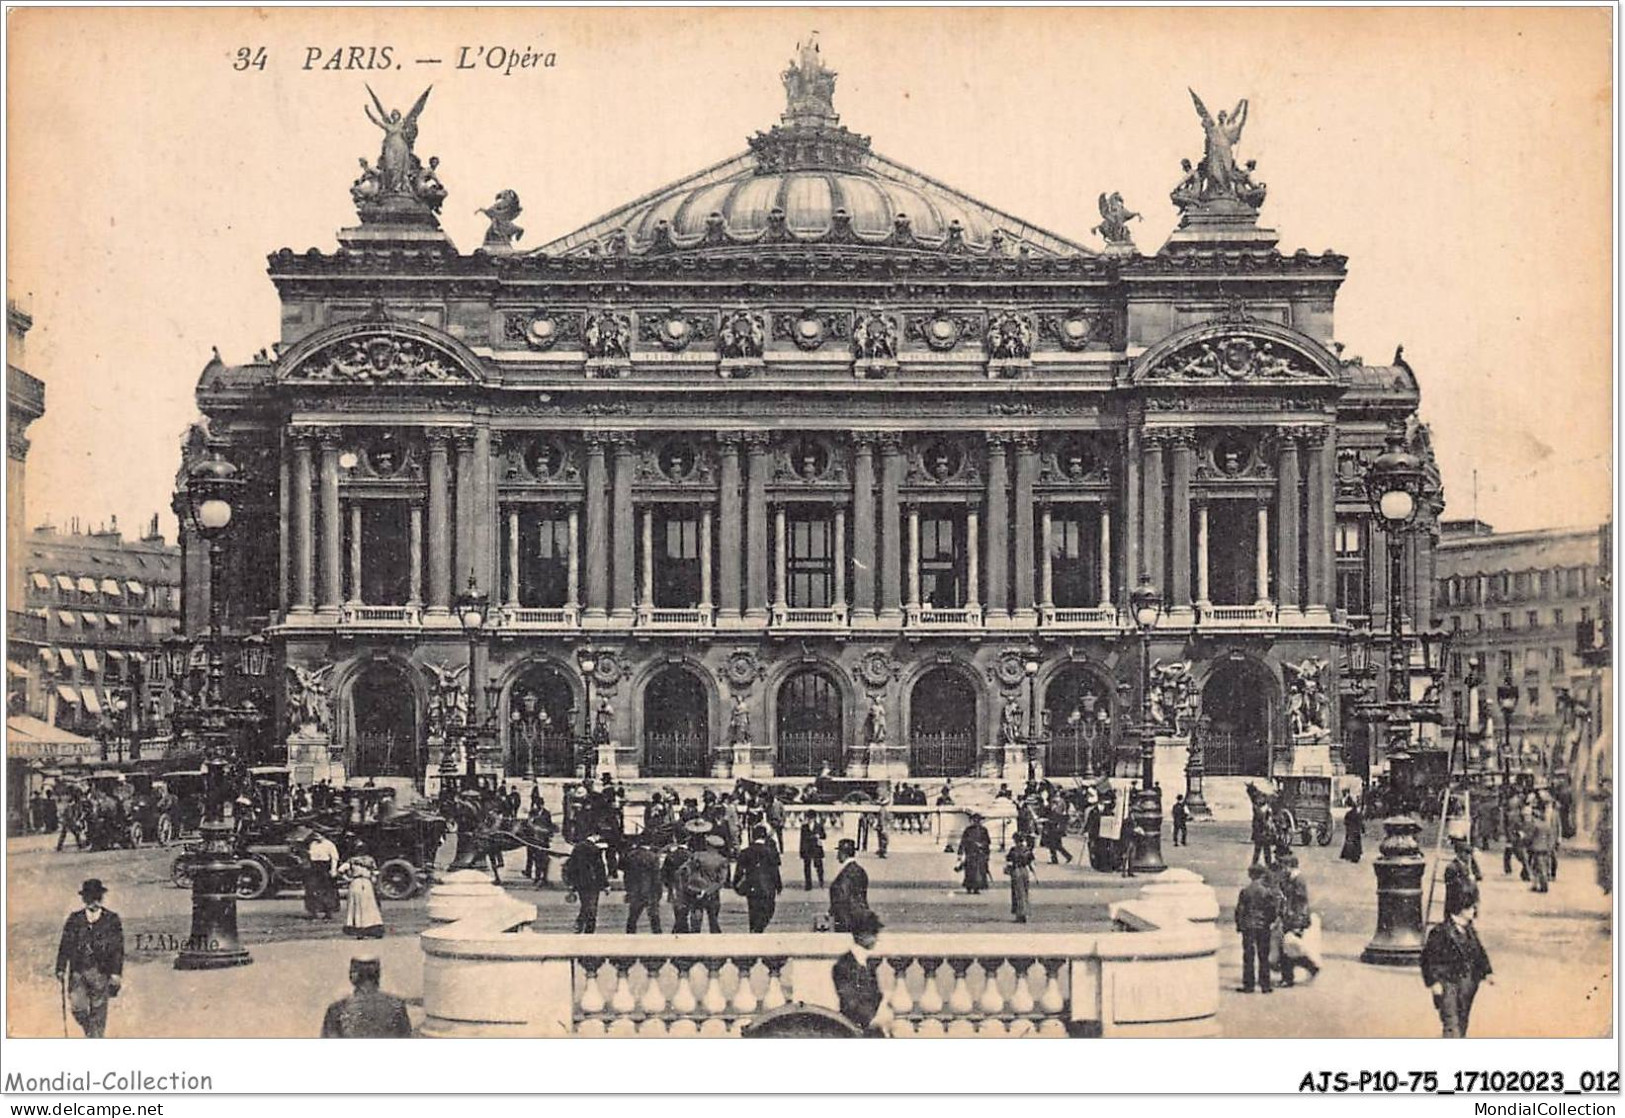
(471, 606)
(587, 661)
(1145, 806)
(1396, 485)
(1029, 668)
(207, 505)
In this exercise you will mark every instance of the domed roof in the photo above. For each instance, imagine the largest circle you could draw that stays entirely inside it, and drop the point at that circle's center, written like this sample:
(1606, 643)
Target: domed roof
(808, 181)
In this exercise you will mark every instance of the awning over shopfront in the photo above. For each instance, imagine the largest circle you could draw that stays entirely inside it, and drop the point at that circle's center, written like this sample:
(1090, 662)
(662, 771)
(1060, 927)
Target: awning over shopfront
(63, 582)
(30, 739)
(41, 582)
(114, 621)
(111, 588)
(92, 661)
(69, 660)
(115, 656)
(67, 694)
(67, 617)
(92, 620)
(87, 585)
(134, 586)
(93, 702)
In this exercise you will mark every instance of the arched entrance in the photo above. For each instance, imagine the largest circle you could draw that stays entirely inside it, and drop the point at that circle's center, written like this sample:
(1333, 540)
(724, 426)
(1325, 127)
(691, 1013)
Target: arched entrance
(1078, 709)
(541, 710)
(808, 725)
(1237, 728)
(676, 725)
(942, 725)
(384, 709)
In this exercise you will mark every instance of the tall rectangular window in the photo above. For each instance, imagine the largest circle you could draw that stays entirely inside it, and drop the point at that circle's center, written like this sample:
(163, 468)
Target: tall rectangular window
(544, 560)
(942, 553)
(1558, 665)
(386, 568)
(1075, 558)
(810, 560)
(676, 559)
(1353, 578)
(1506, 662)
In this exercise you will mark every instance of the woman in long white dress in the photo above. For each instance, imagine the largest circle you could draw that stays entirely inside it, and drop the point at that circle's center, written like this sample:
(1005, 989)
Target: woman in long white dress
(362, 916)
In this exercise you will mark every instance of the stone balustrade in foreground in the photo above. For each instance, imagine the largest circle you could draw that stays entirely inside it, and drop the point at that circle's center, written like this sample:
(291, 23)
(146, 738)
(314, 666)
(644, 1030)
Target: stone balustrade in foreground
(485, 973)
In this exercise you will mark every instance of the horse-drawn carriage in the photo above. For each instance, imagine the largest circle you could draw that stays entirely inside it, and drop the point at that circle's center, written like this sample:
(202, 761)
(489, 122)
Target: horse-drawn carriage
(1299, 808)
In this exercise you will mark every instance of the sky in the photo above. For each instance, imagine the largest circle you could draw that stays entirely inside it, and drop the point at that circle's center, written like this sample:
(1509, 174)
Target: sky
(1460, 159)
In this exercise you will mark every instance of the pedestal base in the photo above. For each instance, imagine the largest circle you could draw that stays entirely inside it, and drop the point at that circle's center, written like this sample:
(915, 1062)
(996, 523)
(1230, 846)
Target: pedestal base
(1398, 939)
(1145, 808)
(213, 942)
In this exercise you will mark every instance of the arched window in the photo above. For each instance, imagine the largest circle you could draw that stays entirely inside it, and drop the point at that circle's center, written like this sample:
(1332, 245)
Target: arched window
(809, 725)
(386, 728)
(540, 723)
(942, 725)
(1079, 709)
(676, 726)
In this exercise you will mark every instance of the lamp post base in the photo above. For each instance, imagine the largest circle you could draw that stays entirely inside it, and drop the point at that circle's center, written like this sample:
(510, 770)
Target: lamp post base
(1398, 939)
(1145, 808)
(213, 942)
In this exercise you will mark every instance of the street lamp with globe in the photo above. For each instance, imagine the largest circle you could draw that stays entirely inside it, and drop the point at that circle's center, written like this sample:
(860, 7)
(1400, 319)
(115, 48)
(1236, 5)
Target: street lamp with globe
(1506, 697)
(207, 506)
(587, 660)
(1396, 484)
(1145, 807)
(1029, 668)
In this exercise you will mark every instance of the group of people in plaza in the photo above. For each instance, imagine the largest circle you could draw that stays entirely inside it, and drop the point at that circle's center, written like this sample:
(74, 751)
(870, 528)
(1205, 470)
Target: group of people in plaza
(1278, 930)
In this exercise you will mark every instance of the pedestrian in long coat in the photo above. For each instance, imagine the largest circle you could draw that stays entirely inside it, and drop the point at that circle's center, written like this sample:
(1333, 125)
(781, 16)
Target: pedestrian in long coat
(849, 892)
(1018, 863)
(975, 850)
(321, 868)
(586, 877)
(1353, 834)
(757, 876)
(812, 850)
(90, 959)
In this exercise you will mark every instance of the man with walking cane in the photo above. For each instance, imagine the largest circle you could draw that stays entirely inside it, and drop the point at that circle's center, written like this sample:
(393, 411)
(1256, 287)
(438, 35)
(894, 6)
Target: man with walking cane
(90, 960)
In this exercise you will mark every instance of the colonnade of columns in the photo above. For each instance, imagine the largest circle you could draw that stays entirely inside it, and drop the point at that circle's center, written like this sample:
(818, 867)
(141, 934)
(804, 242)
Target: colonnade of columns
(1296, 553)
(1008, 531)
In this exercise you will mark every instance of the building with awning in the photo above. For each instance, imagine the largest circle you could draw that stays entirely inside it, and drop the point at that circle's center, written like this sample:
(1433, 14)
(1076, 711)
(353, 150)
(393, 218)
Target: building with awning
(34, 749)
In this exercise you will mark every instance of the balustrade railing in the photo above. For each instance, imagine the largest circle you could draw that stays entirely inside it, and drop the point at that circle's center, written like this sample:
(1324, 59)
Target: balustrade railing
(940, 617)
(797, 617)
(1080, 617)
(1155, 974)
(538, 617)
(1255, 612)
(379, 615)
(655, 617)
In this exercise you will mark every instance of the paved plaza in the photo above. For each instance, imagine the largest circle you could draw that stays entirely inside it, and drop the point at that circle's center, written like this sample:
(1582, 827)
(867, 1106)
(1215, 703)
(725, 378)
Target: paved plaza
(1551, 952)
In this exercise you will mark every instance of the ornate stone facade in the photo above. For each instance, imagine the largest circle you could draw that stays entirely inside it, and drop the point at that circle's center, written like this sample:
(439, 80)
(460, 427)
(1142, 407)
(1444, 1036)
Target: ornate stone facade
(825, 471)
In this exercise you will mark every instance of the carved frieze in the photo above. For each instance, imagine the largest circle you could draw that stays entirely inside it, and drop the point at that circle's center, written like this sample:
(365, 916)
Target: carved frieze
(741, 335)
(809, 459)
(542, 329)
(875, 669)
(1009, 337)
(1076, 329)
(542, 459)
(942, 330)
(810, 329)
(1236, 357)
(942, 461)
(676, 330)
(380, 357)
(743, 668)
(676, 461)
(1076, 458)
(1232, 453)
(874, 336)
(607, 335)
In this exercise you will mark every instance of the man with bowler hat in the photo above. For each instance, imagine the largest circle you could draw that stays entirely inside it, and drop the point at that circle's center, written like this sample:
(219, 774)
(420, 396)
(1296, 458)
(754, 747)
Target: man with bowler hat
(90, 959)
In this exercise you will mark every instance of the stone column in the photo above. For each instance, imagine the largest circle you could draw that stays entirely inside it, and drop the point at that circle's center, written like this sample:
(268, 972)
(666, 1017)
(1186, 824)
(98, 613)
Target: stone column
(1263, 575)
(513, 556)
(1183, 441)
(1151, 508)
(467, 565)
(304, 525)
(758, 463)
(1105, 555)
(1286, 522)
(486, 522)
(863, 527)
(646, 580)
(839, 556)
(1046, 570)
(355, 552)
(998, 524)
(597, 530)
(781, 579)
(973, 555)
(1321, 530)
(415, 598)
(728, 530)
(705, 558)
(572, 585)
(439, 526)
(284, 559)
(332, 591)
(1022, 609)
(891, 526)
(1202, 572)
(622, 528)
(1133, 531)
(913, 602)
